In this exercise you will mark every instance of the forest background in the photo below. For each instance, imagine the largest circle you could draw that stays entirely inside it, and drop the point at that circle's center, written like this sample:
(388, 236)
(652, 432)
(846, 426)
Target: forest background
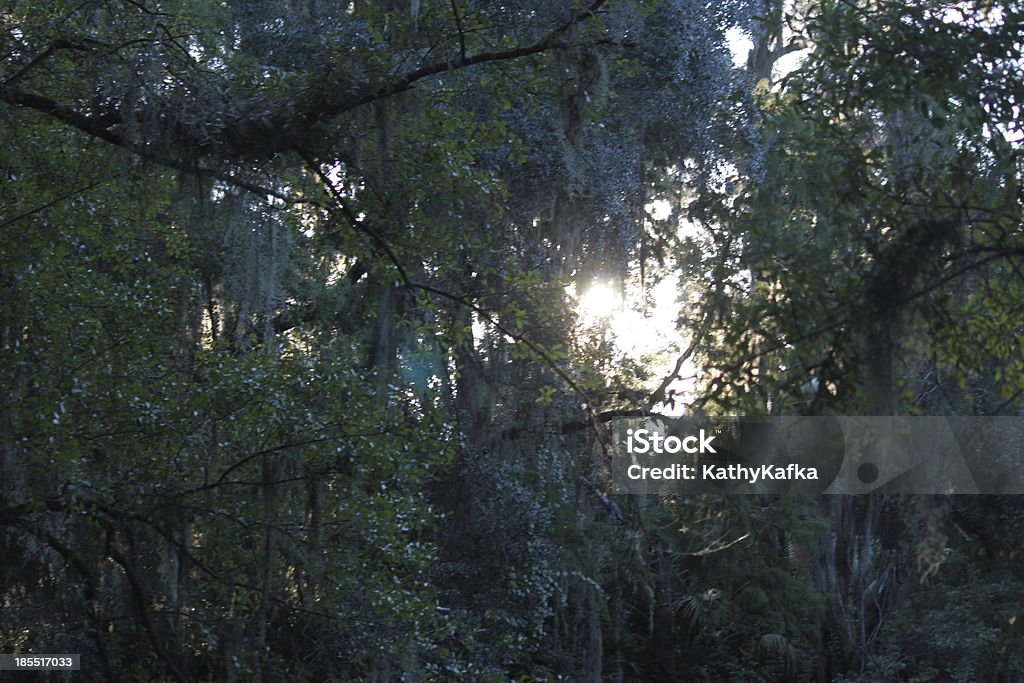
(314, 315)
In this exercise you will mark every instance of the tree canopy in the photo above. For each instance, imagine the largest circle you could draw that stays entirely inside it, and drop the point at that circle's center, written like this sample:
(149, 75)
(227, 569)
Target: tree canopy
(299, 383)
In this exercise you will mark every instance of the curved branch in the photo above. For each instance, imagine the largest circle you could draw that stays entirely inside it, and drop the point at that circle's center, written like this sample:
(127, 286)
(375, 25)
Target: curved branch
(371, 93)
(267, 135)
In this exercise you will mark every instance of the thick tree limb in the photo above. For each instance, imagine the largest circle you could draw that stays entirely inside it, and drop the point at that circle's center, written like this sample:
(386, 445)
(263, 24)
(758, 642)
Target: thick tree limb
(264, 134)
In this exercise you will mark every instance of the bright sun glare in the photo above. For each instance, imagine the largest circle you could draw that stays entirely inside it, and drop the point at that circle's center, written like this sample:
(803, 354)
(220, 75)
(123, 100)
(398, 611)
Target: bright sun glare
(642, 324)
(641, 333)
(598, 303)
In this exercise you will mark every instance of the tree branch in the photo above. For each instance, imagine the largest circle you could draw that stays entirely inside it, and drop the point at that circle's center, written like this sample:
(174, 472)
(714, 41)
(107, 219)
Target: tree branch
(277, 132)
(406, 81)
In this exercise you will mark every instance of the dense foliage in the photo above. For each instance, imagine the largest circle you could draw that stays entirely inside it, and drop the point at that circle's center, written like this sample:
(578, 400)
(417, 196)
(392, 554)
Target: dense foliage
(296, 384)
